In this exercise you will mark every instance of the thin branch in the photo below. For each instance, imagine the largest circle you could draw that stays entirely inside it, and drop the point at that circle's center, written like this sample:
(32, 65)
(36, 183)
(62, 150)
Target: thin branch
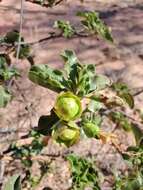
(138, 92)
(56, 36)
(20, 30)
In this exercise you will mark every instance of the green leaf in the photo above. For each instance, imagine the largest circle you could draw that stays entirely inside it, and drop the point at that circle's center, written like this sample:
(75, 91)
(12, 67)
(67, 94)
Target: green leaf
(47, 77)
(101, 82)
(128, 98)
(138, 133)
(72, 68)
(71, 62)
(121, 120)
(124, 93)
(84, 174)
(65, 27)
(85, 78)
(6, 72)
(13, 183)
(94, 24)
(5, 96)
(24, 51)
(95, 106)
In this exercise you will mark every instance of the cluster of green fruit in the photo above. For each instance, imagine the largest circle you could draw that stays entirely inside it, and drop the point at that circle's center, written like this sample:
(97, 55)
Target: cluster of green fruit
(68, 108)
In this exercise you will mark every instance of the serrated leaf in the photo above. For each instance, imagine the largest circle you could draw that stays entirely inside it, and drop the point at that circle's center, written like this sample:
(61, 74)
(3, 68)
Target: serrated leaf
(71, 62)
(84, 174)
(65, 27)
(13, 183)
(72, 68)
(5, 96)
(47, 77)
(94, 24)
(86, 74)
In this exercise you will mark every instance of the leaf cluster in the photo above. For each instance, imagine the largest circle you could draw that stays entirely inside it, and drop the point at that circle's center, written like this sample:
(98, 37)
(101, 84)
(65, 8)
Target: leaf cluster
(84, 173)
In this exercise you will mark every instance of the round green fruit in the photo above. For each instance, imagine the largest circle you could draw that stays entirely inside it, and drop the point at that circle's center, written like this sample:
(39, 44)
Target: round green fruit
(68, 106)
(66, 134)
(91, 129)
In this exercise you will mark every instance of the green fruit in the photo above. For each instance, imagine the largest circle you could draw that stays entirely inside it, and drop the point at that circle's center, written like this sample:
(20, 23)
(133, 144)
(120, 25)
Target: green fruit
(12, 37)
(68, 106)
(66, 134)
(91, 129)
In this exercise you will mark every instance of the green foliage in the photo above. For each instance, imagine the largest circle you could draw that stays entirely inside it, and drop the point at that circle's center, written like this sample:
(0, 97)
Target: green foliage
(75, 83)
(66, 28)
(6, 72)
(13, 183)
(11, 39)
(25, 152)
(84, 174)
(134, 179)
(121, 120)
(77, 78)
(47, 77)
(134, 182)
(94, 24)
(124, 93)
(5, 96)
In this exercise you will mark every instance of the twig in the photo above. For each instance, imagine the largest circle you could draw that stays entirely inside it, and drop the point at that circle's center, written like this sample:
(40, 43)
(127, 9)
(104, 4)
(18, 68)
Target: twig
(20, 30)
(138, 93)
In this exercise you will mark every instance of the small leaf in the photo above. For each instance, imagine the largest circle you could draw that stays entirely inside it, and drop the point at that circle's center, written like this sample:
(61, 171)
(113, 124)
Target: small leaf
(138, 133)
(124, 93)
(72, 69)
(13, 183)
(5, 96)
(128, 98)
(65, 27)
(71, 62)
(121, 120)
(86, 74)
(6, 72)
(94, 24)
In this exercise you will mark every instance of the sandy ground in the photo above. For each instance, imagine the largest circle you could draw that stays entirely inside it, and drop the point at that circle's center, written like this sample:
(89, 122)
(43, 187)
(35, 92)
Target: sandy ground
(123, 61)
